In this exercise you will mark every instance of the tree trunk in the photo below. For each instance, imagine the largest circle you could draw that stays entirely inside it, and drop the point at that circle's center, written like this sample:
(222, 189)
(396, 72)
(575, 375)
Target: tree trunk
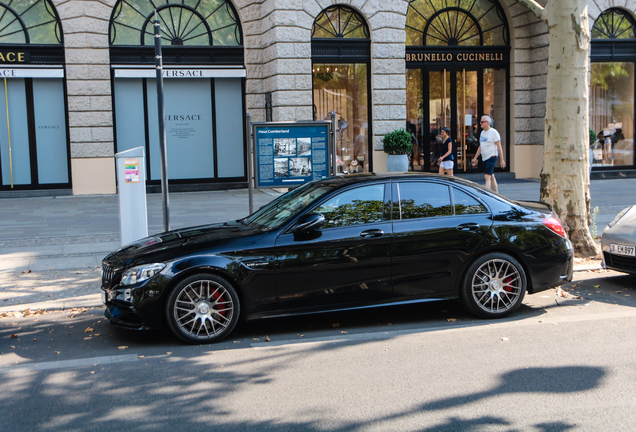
(565, 176)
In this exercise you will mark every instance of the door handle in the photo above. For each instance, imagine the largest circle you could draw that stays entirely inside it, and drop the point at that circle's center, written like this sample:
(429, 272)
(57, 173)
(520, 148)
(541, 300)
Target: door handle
(470, 226)
(372, 233)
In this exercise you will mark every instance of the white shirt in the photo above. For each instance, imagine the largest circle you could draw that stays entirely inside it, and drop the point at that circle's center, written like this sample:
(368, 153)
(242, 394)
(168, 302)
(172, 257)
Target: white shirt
(487, 141)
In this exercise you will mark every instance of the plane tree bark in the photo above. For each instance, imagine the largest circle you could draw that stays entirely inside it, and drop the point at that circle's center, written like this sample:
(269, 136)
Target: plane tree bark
(565, 182)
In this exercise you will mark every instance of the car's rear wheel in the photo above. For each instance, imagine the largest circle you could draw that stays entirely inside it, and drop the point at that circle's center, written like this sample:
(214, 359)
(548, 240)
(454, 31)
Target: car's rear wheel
(202, 308)
(494, 286)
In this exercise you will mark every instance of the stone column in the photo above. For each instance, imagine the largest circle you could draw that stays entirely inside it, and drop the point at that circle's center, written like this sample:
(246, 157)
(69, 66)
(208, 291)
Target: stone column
(387, 20)
(85, 26)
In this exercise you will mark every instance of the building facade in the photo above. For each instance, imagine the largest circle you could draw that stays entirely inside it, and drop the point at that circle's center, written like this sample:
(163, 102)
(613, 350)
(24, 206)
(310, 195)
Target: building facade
(79, 84)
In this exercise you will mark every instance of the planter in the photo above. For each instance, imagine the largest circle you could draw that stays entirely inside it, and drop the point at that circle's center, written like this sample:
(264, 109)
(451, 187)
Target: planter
(397, 163)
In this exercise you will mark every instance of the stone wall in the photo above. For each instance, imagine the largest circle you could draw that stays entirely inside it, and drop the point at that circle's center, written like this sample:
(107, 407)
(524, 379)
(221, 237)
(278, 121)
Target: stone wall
(85, 25)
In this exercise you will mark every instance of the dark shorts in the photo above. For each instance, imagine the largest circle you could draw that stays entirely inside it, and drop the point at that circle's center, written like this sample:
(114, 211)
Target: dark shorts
(489, 165)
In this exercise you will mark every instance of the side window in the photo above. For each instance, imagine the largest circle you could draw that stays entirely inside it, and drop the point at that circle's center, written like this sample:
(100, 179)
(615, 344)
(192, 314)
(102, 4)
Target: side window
(420, 200)
(465, 204)
(353, 207)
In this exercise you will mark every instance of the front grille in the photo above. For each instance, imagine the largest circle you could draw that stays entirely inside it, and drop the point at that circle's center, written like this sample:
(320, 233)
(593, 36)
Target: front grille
(110, 276)
(619, 262)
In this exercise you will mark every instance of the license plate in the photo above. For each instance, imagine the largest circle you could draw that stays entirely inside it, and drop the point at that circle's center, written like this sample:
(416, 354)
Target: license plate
(104, 297)
(623, 250)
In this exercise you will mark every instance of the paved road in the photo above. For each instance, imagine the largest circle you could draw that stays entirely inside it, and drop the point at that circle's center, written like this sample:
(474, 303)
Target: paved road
(559, 364)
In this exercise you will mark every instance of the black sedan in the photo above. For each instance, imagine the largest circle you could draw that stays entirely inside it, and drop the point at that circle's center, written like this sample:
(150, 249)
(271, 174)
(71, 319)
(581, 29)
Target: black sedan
(347, 242)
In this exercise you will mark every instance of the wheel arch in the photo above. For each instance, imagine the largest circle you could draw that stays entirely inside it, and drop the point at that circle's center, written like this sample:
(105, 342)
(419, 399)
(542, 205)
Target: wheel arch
(211, 270)
(497, 249)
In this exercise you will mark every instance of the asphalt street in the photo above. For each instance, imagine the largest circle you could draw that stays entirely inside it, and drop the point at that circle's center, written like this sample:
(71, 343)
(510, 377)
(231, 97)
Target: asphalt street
(564, 361)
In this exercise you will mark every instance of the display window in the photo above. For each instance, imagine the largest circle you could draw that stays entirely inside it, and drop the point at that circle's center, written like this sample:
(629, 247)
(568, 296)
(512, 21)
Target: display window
(457, 59)
(340, 78)
(34, 147)
(203, 84)
(612, 91)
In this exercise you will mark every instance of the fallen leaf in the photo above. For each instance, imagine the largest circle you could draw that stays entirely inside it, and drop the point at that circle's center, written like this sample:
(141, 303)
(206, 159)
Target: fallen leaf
(68, 333)
(96, 334)
(451, 319)
(335, 325)
(597, 286)
(267, 339)
(619, 292)
(57, 352)
(235, 341)
(256, 339)
(169, 352)
(302, 335)
(87, 338)
(343, 332)
(92, 371)
(35, 339)
(140, 356)
(88, 330)
(14, 335)
(122, 347)
(12, 347)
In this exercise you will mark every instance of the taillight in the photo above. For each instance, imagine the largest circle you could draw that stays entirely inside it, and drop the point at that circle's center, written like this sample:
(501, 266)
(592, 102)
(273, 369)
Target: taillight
(555, 226)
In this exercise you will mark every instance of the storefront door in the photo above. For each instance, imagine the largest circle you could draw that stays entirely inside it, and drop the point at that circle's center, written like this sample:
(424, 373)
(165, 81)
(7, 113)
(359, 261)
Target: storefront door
(456, 99)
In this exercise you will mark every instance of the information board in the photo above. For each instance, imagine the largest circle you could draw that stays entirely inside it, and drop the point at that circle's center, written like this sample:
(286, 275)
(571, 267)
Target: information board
(290, 154)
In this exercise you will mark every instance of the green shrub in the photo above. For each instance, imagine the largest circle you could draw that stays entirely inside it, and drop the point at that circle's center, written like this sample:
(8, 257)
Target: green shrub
(398, 142)
(593, 137)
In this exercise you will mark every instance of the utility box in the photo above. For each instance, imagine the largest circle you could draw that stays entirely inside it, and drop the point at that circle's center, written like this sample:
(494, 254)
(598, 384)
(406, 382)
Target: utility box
(131, 181)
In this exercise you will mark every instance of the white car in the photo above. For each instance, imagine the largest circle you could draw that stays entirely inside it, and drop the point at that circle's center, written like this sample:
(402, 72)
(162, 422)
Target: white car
(619, 242)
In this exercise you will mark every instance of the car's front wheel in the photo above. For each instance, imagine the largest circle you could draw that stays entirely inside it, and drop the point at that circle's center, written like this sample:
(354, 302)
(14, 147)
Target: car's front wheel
(202, 308)
(494, 286)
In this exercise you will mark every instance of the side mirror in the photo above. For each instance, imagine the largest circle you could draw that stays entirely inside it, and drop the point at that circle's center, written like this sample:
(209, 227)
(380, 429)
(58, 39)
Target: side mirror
(309, 222)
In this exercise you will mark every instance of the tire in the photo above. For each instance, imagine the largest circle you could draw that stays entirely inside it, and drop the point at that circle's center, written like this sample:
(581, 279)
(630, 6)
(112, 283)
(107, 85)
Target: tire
(494, 286)
(202, 309)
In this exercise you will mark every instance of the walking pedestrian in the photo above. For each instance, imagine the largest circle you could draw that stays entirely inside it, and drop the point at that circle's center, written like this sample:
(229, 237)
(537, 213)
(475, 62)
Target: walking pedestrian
(490, 149)
(446, 160)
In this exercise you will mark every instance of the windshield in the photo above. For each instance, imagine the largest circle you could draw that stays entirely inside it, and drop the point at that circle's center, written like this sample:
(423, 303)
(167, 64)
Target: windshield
(281, 210)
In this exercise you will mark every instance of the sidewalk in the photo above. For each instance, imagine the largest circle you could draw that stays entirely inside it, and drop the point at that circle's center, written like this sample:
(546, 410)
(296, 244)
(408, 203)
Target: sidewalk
(51, 248)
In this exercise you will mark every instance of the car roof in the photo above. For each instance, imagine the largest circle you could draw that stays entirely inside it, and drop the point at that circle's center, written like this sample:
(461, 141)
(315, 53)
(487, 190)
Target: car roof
(384, 176)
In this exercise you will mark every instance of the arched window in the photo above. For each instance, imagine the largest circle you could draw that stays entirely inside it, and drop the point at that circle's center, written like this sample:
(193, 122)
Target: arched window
(340, 22)
(613, 24)
(613, 65)
(200, 23)
(29, 22)
(456, 23)
(341, 56)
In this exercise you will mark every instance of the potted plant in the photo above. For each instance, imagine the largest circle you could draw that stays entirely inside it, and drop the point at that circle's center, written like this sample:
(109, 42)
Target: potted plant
(397, 145)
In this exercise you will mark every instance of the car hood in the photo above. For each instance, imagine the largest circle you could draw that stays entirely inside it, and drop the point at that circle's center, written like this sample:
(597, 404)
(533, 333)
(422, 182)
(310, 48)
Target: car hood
(169, 245)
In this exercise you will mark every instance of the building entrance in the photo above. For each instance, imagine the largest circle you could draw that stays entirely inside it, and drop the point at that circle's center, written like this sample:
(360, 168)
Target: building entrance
(455, 98)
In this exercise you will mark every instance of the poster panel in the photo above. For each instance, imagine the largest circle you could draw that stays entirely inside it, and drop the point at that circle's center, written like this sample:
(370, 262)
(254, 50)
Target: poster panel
(290, 154)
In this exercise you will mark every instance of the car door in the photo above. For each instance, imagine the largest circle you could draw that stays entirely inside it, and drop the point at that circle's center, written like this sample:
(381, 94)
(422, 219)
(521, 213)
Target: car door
(436, 227)
(345, 262)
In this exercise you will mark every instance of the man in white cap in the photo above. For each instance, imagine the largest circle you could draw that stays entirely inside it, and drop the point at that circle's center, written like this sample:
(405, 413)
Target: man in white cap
(490, 149)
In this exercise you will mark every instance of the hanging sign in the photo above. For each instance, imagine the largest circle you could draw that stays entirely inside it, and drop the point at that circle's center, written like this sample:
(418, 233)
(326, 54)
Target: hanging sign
(290, 154)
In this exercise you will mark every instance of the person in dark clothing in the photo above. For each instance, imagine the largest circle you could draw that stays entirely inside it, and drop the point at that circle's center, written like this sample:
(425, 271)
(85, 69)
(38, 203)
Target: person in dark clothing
(446, 159)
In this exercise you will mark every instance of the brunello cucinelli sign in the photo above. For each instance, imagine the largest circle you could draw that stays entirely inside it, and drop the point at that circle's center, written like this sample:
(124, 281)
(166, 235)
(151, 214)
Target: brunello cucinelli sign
(458, 57)
(14, 57)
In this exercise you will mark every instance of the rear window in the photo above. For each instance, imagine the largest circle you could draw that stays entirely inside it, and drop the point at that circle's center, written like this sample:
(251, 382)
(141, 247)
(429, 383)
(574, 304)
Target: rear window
(465, 204)
(422, 200)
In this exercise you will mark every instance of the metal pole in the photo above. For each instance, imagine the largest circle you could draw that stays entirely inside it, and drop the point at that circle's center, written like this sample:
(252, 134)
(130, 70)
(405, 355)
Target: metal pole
(334, 157)
(248, 125)
(162, 126)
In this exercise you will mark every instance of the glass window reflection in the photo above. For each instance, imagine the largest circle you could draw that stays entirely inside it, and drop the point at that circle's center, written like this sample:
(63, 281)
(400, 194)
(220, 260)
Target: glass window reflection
(420, 200)
(465, 204)
(612, 114)
(353, 207)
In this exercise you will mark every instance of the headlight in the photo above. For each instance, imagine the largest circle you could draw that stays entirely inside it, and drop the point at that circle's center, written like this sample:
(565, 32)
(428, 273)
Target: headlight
(619, 216)
(141, 273)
